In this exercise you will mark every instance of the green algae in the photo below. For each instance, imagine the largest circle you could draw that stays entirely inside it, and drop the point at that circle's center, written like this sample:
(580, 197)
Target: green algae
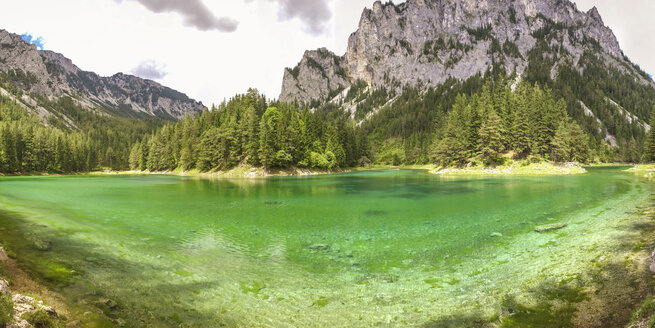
(6, 310)
(321, 302)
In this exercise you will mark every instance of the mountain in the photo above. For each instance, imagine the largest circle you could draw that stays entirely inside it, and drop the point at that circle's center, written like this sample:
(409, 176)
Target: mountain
(37, 79)
(428, 41)
(427, 44)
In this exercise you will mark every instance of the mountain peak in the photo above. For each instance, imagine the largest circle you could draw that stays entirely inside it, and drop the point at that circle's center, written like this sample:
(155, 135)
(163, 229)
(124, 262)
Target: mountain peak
(428, 41)
(593, 13)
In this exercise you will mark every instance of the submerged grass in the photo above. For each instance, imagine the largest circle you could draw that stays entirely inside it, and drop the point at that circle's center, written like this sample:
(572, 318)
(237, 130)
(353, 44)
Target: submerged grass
(604, 296)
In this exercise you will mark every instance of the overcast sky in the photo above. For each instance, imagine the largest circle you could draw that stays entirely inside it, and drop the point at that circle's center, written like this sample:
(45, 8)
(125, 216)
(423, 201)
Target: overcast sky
(213, 49)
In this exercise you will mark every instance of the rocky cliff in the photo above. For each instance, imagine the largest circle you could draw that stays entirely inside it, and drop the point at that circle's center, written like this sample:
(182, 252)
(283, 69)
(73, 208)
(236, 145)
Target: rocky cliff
(428, 41)
(31, 74)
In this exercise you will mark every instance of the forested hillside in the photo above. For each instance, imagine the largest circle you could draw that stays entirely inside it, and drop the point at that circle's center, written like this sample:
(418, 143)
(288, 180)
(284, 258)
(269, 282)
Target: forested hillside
(525, 80)
(406, 64)
(27, 145)
(527, 122)
(248, 129)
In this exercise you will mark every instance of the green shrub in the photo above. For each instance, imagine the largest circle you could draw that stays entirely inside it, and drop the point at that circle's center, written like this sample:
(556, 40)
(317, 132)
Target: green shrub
(6, 310)
(41, 319)
(646, 309)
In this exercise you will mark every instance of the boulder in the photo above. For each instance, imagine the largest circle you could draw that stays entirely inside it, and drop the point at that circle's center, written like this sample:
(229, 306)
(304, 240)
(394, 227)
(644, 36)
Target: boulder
(319, 247)
(550, 227)
(4, 287)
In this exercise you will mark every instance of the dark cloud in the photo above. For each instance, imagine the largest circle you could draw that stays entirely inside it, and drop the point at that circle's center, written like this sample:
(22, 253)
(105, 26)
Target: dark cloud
(314, 13)
(149, 69)
(194, 13)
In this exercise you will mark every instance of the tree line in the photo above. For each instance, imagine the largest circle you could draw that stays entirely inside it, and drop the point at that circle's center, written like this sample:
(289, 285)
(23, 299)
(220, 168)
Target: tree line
(481, 119)
(29, 143)
(248, 129)
(525, 122)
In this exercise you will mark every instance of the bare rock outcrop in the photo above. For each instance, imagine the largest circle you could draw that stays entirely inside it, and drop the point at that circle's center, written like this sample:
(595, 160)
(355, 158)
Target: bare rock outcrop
(426, 42)
(37, 73)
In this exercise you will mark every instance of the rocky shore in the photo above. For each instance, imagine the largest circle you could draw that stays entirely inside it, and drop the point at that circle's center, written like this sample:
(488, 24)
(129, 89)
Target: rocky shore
(514, 169)
(647, 170)
(238, 172)
(22, 311)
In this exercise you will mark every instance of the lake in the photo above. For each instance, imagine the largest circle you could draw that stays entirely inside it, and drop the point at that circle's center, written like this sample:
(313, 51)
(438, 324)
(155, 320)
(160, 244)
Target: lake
(385, 248)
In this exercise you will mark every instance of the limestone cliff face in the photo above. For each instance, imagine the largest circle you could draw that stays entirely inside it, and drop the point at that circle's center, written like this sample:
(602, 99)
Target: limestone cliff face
(51, 75)
(318, 73)
(429, 41)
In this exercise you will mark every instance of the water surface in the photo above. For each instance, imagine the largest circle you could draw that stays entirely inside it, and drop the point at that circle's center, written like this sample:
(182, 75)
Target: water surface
(371, 248)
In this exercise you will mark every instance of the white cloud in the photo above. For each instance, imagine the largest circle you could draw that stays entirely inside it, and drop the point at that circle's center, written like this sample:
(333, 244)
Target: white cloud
(150, 69)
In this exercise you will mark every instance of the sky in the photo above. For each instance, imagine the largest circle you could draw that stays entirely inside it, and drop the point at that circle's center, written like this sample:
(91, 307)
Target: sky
(214, 49)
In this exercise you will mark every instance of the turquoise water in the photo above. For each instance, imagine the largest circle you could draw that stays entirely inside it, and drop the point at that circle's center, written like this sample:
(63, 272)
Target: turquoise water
(390, 248)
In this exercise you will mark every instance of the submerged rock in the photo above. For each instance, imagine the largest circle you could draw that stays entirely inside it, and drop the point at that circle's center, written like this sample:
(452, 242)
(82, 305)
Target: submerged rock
(106, 303)
(550, 227)
(20, 324)
(319, 247)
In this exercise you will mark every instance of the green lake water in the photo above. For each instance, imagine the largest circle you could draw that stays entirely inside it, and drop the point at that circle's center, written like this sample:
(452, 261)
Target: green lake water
(378, 248)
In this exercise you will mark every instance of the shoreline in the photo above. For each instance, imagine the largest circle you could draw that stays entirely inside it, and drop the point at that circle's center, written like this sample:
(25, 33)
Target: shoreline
(546, 168)
(238, 172)
(29, 296)
(514, 169)
(646, 170)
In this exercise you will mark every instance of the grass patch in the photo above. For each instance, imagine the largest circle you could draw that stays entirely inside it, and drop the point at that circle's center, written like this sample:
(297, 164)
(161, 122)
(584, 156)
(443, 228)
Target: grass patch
(645, 310)
(553, 305)
(513, 168)
(41, 319)
(6, 310)
(321, 302)
(542, 315)
(254, 287)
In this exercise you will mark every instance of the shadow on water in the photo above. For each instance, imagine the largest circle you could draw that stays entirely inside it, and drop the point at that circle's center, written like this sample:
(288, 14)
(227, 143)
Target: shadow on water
(605, 295)
(376, 213)
(96, 306)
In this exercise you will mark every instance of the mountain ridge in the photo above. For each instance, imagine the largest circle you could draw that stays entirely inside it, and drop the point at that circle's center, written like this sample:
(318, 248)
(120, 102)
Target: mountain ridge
(34, 75)
(429, 41)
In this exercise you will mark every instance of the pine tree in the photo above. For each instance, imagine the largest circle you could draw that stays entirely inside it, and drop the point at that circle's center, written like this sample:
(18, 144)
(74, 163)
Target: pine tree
(491, 137)
(251, 136)
(268, 137)
(570, 143)
(521, 128)
(135, 154)
(649, 144)
(453, 147)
